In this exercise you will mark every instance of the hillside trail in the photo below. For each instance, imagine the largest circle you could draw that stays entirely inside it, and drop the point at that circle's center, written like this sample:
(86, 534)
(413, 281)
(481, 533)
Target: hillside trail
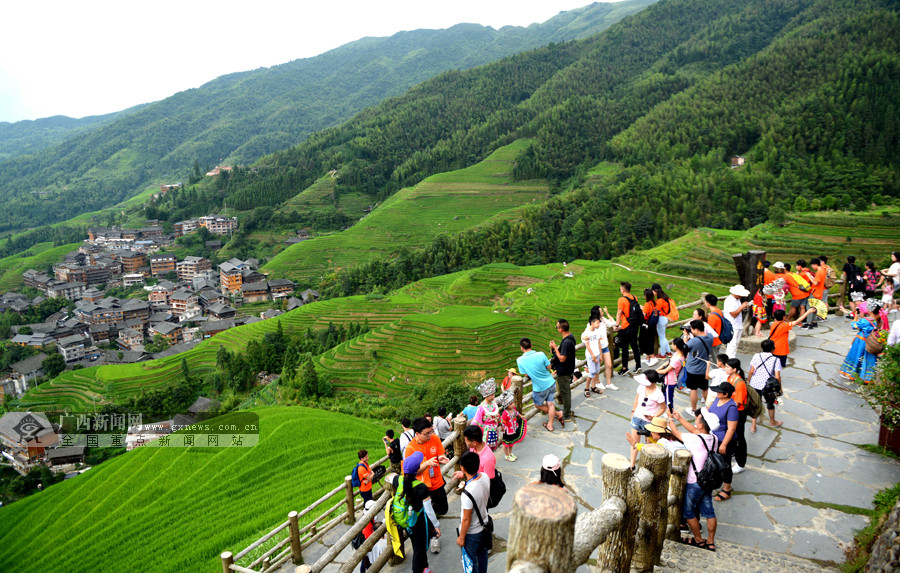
(796, 505)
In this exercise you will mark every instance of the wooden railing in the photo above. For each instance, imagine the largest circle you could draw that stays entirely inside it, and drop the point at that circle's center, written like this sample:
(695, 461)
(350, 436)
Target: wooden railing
(294, 539)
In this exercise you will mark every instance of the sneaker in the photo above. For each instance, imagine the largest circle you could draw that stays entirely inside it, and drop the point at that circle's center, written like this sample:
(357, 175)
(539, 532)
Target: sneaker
(651, 360)
(805, 326)
(612, 387)
(569, 418)
(512, 457)
(623, 371)
(601, 387)
(689, 411)
(636, 371)
(736, 469)
(435, 545)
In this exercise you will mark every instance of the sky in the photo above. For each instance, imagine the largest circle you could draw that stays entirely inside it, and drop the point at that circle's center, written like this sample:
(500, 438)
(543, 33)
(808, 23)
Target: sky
(97, 56)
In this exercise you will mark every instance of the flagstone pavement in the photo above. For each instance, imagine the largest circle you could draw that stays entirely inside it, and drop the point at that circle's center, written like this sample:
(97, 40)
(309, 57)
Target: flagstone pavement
(799, 495)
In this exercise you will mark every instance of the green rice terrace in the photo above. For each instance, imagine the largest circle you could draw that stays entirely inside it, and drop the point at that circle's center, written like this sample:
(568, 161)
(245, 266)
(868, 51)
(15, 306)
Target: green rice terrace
(445, 203)
(39, 256)
(174, 509)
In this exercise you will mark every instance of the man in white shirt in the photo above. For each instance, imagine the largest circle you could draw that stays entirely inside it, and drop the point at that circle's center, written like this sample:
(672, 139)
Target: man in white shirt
(473, 537)
(734, 313)
(407, 435)
(894, 334)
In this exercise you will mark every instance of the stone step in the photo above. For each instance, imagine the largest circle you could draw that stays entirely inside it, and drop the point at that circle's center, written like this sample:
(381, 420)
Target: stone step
(729, 558)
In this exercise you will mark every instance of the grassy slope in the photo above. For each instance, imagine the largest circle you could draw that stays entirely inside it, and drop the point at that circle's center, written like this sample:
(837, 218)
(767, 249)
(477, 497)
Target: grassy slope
(442, 204)
(39, 256)
(178, 508)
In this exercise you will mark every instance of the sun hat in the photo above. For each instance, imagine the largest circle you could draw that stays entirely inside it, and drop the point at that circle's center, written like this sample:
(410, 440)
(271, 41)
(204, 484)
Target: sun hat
(412, 462)
(724, 388)
(550, 463)
(739, 290)
(658, 424)
(711, 419)
(369, 504)
(778, 265)
(642, 379)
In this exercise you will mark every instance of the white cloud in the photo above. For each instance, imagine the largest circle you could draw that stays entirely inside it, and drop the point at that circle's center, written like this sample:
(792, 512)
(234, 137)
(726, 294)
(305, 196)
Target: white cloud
(101, 56)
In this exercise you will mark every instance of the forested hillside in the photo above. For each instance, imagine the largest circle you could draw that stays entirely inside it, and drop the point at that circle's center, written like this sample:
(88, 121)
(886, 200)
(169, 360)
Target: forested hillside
(239, 117)
(30, 136)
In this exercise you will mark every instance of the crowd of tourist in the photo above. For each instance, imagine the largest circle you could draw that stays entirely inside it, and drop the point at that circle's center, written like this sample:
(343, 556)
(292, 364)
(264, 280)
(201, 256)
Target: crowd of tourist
(720, 395)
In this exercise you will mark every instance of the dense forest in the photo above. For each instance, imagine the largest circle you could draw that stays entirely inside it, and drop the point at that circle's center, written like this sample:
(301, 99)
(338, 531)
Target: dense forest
(240, 117)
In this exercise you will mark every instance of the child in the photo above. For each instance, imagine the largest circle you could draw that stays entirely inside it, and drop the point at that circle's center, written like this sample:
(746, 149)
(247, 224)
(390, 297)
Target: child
(596, 355)
(887, 296)
(716, 376)
(671, 371)
(759, 312)
(514, 428)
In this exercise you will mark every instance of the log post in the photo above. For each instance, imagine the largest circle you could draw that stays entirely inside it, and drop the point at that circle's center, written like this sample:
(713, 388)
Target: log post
(351, 509)
(750, 268)
(542, 529)
(294, 529)
(517, 383)
(681, 463)
(459, 444)
(654, 513)
(616, 551)
(227, 561)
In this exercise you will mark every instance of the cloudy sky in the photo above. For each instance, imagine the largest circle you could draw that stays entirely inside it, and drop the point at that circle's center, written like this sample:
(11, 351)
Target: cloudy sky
(99, 56)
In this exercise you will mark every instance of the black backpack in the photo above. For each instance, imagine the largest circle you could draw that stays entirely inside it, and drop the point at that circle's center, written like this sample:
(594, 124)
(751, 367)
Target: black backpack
(498, 490)
(773, 386)
(712, 476)
(635, 312)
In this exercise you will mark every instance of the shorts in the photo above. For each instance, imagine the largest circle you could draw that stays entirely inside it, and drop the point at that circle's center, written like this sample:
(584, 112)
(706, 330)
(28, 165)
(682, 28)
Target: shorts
(541, 398)
(595, 368)
(798, 302)
(638, 423)
(695, 499)
(697, 382)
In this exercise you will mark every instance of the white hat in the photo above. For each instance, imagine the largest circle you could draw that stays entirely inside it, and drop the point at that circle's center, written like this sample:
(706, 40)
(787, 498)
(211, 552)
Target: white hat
(778, 265)
(550, 462)
(369, 504)
(739, 290)
(642, 379)
(711, 419)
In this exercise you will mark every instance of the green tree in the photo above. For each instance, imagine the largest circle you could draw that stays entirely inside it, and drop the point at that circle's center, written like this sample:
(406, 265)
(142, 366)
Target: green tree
(53, 365)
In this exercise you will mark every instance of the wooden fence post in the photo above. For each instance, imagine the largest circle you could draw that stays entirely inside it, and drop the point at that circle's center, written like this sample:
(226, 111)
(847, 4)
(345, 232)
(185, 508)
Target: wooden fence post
(616, 552)
(227, 561)
(351, 509)
(517, 385)
(459, 444)
(542, 528)
(654, 512)
(681, 463)
(294, 529)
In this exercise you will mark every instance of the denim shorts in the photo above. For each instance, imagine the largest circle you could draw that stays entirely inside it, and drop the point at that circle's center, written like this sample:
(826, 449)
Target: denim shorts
(638, 423)
(696, 499)
(541, 398)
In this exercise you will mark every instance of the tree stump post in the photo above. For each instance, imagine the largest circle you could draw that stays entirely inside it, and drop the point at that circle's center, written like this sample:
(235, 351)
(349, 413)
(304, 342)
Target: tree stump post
(654, 512)
(750, 269)
(459, 444)
(517, 383)
(351, 509)
(294, 529)
(227, 561)
(616, 552)
(542, 529)
(681, 463)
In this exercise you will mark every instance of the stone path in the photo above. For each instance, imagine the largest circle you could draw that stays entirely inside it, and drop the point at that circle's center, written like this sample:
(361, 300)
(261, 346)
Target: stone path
(799, 496)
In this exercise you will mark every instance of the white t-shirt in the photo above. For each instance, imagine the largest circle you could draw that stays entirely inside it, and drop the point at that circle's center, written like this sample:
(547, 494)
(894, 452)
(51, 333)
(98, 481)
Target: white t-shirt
(405, 438)
(481, 490)
(894, 334)
(731, 305)
(699, 452)
(716, 377)
(596, 339)
(647, 409)
(894, 271)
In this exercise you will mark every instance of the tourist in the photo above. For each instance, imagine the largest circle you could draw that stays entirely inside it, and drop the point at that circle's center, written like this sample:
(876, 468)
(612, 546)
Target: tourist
(649, 401)
(442, 424)
(393, 451)
(565, 368)
(736, 378)
(474, 499)
(854, 283)
(647, 336)
(429, 444)
(698, 438)
(817, 294)
(407, 435)
(734, 313)
(628, 319)
(364, 474)
(551, 471)
(871, 278)
(893, 272)
(672, 370)
(799, 289)
(469, 411)
(514, 428)
(665, 306)
(860, 363)
(608, 324)
(807, 276)
(535, 365)
(419, 497)
(780, 331)
(887, 297)
(475, 443)
(659, 434)
(595, 357)
(760, 316)
(714, 317)
(487, 416)
(380, 545)
(894, 334)
(716, 376)
(700, 314)
(769, 277)
(727, 412)
(698, 350)
(763, 367)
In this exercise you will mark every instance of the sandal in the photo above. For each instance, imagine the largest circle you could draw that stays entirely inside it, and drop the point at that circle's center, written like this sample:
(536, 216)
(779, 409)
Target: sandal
(547, 426)
(596, 390)
(587, 393)
(723, 495)
(693, 542)
(709, 546)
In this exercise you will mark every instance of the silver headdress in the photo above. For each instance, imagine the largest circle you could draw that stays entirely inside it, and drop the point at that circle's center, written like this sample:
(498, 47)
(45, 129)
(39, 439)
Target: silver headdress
(857, 296)
(874, 304)
(505, 399)
(775, 287)
(487, 387)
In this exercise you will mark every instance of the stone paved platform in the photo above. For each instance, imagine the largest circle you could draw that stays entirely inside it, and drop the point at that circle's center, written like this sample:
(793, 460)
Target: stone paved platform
(797, 497)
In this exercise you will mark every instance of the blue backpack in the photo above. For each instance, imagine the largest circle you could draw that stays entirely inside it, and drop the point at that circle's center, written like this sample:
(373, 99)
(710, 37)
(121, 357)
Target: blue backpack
(727, 333)
(354, 476)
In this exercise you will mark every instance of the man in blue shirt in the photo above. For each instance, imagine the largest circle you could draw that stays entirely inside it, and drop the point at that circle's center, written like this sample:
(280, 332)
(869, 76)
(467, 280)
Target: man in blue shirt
(543, 387)
(698, 349)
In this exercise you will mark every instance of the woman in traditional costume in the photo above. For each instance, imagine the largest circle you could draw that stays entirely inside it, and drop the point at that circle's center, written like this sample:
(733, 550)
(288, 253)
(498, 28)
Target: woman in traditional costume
(860, 363)
(487, 417)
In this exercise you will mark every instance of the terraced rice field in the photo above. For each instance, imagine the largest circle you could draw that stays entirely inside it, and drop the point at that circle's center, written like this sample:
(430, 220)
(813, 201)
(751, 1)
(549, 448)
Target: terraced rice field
(176, 509)
(39, 256)
(442, 204)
